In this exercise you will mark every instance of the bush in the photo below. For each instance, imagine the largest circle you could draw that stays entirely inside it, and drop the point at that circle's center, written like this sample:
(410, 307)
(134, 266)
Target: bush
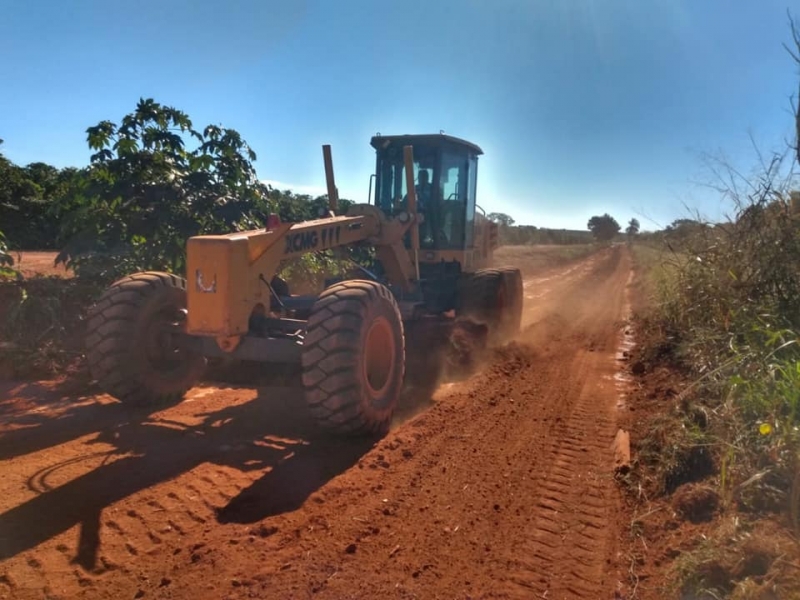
(732, 307)
(27, 197)
(7, 270)
(41, 325)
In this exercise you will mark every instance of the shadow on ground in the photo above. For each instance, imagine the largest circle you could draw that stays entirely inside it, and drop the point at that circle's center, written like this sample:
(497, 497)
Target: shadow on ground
(271, 433)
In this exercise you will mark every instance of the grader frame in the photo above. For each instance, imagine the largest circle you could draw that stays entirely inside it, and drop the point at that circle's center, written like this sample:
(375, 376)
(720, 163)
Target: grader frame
(150, 334)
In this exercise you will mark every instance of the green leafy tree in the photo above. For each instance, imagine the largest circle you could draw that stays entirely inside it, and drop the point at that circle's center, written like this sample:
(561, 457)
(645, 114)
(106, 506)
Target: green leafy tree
(604, 227)
(300, 207)
(29, 199)
(153, 182)
(309, 271)
(44, 176)
(16, 189)
(633, 227)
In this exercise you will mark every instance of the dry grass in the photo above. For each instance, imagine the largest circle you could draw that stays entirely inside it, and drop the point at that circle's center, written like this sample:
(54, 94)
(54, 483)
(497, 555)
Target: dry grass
(540, 258)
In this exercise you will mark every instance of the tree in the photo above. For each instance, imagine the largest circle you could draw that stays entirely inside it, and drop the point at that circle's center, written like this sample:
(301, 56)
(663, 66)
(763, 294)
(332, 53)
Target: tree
(501, 219)
(28, 197)
(603, 228)
(19, 202)
(633, 227)
(145, 192)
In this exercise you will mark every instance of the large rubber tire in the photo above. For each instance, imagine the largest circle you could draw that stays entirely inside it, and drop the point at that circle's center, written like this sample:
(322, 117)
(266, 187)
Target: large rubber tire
(354, 358)
(493, 297)
(128, 343)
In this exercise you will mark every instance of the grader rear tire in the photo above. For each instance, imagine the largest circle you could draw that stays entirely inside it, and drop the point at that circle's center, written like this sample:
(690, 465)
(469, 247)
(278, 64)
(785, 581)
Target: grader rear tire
(494, 297)
(129, 346)
(354, 358)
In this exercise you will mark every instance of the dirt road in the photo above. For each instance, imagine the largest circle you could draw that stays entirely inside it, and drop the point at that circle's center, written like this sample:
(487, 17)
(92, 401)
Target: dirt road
(500, 486)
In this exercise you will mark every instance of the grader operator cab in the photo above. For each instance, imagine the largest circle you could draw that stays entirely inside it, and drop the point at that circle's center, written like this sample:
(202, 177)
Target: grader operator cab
(150, 334)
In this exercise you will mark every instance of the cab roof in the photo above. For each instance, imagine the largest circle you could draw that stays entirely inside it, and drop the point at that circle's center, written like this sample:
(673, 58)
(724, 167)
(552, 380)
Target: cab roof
(381, 141)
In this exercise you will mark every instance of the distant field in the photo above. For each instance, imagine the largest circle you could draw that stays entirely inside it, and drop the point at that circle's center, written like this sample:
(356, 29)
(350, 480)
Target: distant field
(534, 259)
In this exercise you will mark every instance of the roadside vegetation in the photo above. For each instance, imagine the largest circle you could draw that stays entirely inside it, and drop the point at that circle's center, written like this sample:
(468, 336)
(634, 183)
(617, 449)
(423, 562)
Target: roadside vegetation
(718, 441)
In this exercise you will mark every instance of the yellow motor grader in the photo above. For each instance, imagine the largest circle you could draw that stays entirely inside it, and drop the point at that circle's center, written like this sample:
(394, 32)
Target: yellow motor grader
(150, 334)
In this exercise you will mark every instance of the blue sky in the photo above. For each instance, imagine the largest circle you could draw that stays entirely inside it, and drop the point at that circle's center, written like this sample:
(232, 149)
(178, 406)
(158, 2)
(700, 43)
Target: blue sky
(581, 106)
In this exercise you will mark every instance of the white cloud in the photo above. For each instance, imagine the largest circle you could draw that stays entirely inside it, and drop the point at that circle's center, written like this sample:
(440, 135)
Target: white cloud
(311, 190)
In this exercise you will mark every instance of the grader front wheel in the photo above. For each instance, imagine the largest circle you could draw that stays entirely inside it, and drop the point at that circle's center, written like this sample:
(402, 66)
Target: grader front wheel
(129, 344)
(354, 358)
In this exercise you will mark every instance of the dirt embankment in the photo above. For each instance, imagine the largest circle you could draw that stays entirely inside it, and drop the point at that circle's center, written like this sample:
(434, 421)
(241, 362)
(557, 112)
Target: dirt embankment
(500, 486)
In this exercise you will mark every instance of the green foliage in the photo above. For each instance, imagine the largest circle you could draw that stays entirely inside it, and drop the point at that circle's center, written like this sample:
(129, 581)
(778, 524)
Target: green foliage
(41, 323)
(633, 227)
(27, 197)
(762, 421)
(308, 273)
(6, 261)
(603, 228)
(154, 181)
(732, 308)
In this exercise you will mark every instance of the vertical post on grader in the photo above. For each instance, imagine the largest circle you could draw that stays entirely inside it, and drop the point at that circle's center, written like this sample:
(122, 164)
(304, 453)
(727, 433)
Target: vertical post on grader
(408, 157)
(333, 193)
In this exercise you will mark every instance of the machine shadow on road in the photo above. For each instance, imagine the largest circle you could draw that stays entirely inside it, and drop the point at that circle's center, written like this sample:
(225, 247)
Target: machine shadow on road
(55, 414)
(311, 464)
(59, 412)
(54, 417)
(272, 433)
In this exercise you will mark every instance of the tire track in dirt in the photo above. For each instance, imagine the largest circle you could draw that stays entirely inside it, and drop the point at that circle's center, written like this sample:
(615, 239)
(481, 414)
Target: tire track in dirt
(562, 550)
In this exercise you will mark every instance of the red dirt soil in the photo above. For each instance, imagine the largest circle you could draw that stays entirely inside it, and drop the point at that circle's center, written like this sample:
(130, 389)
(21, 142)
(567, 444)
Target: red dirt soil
(31, 263)
(499, 486)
